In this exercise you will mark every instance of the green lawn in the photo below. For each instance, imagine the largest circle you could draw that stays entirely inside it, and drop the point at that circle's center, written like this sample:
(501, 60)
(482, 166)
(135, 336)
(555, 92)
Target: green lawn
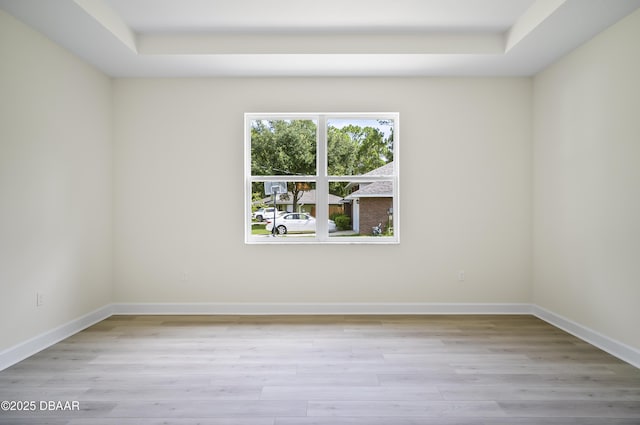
(259, 229)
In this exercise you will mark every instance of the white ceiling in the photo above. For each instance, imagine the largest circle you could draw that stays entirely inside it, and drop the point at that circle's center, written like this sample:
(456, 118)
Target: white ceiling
(186, 38)
(323, 16)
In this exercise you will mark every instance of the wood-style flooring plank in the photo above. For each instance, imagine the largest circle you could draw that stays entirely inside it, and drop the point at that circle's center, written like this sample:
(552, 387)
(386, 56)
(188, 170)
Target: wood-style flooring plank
(173, 421)
(367, 420)
(325, 370)
(572, 408)
(352, 393)
(208, 409)
(378, 409)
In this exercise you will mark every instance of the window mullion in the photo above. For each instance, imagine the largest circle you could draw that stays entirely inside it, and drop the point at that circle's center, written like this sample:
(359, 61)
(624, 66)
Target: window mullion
(322, 184)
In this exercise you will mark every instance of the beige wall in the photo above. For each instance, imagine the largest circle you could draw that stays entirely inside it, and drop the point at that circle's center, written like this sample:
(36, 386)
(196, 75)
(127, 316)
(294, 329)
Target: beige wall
(172, 152)
(465, 193)
(55, 185)
(587, 184)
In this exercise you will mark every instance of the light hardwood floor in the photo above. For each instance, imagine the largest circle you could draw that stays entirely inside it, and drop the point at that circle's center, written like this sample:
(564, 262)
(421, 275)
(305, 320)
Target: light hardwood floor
(325, 370)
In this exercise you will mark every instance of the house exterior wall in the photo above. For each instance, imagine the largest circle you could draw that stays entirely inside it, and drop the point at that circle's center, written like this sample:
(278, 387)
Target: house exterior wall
(373, 211)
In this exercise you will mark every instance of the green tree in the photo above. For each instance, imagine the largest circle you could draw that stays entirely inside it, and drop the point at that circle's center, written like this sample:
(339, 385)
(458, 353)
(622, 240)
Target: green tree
(288, 148)
(341, 158)
(373, 150)
(284, 148)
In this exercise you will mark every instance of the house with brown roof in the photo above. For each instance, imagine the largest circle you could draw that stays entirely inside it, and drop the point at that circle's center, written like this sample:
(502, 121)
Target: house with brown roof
(371, 204)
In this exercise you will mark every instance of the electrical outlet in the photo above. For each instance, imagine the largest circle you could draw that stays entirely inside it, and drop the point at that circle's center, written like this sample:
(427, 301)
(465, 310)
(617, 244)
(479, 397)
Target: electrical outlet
(39, 299)
(460, 275)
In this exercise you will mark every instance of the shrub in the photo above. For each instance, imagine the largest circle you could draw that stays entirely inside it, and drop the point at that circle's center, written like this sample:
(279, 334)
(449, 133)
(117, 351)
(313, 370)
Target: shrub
(343, 222)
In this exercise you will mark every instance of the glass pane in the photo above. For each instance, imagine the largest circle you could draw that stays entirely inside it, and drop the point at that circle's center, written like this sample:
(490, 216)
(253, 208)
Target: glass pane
(283, 147)
(359, 146)
(293, 211)
(365, 210)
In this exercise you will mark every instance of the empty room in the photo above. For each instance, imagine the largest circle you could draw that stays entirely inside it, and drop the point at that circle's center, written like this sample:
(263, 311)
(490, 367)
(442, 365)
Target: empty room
(347, 212)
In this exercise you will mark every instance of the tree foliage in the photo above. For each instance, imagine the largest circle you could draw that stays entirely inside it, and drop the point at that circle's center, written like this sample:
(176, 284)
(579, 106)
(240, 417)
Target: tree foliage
(288, 148)
(372, 149)
(284, 148)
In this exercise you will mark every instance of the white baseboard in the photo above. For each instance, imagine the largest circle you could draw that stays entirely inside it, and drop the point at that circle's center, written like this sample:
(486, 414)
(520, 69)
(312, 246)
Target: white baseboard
(611, 346)
(38, 343)
(33, 345)
(319, 308)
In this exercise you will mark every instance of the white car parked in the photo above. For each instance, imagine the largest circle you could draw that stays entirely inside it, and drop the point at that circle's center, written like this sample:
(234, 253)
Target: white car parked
(295, 223)
(264, 213)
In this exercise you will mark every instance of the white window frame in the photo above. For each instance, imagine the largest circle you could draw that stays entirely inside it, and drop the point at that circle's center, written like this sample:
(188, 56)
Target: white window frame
(322, 179)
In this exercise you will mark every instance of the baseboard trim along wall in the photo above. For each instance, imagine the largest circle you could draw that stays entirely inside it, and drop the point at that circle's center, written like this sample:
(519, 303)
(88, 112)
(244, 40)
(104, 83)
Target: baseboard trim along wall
(33, 345)
(611, 346)
(21, 351)
(319, 308)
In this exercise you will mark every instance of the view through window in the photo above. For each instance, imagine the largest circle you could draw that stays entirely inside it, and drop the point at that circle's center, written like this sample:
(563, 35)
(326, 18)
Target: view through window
(329, 178)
